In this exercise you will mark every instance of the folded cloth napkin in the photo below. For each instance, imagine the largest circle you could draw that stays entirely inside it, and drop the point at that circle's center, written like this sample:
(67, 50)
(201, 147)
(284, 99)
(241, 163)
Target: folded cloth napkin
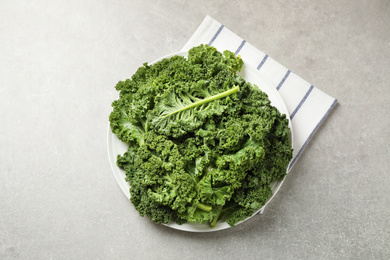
(308, 106)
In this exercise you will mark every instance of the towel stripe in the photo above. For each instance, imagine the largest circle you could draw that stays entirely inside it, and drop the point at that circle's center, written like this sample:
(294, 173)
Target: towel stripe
(216, 35)
(301, 103)
(240, 47)
(262, 62)
(311, 135)
(283, 80)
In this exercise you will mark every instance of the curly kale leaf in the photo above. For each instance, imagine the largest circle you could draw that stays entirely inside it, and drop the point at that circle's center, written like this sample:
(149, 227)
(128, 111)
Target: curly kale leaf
(189, 109)
(123, 126)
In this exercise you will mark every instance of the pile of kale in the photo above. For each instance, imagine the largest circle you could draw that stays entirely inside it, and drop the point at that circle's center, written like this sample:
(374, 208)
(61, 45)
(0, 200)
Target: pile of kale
(204, 145)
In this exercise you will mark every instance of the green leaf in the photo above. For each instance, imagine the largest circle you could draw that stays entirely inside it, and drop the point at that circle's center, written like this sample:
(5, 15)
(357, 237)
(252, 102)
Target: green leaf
(214, 195)
(177, 108)
(121, 125)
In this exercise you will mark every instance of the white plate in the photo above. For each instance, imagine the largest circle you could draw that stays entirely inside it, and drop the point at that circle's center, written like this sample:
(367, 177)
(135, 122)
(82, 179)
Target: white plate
(115, 147)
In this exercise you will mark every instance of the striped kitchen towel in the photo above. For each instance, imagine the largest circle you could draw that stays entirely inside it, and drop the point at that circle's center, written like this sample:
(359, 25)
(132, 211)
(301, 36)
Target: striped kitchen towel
(308, 106)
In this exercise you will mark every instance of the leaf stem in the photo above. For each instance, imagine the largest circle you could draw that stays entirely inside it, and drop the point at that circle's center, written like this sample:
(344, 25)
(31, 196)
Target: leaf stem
(204, 207)
(214, 222)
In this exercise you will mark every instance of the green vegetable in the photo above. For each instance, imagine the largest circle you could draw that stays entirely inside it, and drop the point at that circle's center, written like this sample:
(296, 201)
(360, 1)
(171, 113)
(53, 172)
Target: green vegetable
(204, 145)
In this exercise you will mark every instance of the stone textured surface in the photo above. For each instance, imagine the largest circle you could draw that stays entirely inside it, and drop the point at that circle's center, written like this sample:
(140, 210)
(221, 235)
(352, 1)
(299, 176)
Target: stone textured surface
(59, 62)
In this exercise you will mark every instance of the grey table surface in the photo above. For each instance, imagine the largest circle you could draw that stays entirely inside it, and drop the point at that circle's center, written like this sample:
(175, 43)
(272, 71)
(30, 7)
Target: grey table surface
(59, 63)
